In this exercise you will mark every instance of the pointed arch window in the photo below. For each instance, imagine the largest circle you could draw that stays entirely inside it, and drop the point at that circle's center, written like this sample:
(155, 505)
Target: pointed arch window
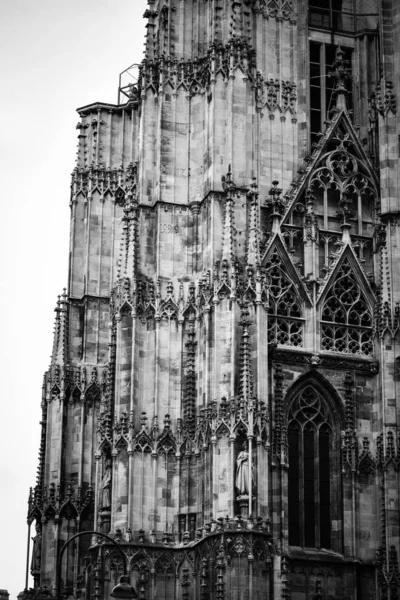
(285, 323)
(346, 320)
(311, 469)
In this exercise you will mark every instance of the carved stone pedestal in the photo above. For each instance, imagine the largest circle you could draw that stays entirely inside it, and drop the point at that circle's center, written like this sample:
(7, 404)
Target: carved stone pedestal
(36, 578)
(244, 505)
(105, 520)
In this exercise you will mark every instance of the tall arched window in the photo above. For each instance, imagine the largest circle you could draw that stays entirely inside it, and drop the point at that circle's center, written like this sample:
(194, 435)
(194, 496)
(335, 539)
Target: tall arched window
(311, 466)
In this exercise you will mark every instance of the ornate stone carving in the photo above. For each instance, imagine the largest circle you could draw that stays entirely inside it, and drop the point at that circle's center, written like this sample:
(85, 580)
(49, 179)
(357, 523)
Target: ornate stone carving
(346, 316)
(106, 484)
(284, 307)
(36, 551)
(242, 472)
(114, 183)
(385, 98)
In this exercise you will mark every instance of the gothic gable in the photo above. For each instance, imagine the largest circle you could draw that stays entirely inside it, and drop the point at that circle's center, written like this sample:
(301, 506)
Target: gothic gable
(348, 260)
(277, 254)
(346, 308)
(338, 162)
(337, 185)
(286, 296)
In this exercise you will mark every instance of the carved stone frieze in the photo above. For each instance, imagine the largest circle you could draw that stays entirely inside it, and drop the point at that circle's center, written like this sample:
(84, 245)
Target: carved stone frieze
(275, 96)
(194, 76)
(223, 418)
(118, 184)
(51, 502)
(219, 541)
(289, 356)
(274, 9)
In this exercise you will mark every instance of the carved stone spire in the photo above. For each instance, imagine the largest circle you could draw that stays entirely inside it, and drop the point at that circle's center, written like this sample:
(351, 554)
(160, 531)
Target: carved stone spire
(310, 235)
(189, 409)
(228, 244)
(341, 74)
(345, 215)
(276, 203)
(188, 30)
(253, 248)
(310, 219)
(126, 271)
(60, 343)
(246, 375)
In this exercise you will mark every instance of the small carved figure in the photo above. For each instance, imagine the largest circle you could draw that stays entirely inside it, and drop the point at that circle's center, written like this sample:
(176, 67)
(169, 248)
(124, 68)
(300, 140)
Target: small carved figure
(128, 535)
(315, 360)
(242, 471)
(37, 550)
(106, 485)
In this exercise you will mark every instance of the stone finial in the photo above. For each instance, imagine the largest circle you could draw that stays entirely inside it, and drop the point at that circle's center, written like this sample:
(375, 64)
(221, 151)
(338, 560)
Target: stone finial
(189, 407)
(246, 375)
(253, 248)
(277, 205)
(228, 244)
(60, 343)
(341, 74)
(310, 219)
(345, 215)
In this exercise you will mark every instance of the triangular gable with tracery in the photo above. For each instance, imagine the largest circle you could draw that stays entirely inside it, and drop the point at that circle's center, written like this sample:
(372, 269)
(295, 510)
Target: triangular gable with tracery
(347, 255)
(335, 200)
(276, 253)
(346, 302)
(286, 296)
(340, 138)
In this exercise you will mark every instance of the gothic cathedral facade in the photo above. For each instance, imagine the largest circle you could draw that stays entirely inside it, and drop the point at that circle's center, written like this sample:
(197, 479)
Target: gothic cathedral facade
(223, 398)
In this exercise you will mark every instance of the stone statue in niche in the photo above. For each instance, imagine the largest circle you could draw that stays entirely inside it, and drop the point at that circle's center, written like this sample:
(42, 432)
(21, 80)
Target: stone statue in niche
(37, 550)
(242, 471)
(106, 485)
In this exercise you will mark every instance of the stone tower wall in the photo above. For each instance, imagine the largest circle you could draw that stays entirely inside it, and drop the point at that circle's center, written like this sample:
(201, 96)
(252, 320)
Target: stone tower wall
(206, 252)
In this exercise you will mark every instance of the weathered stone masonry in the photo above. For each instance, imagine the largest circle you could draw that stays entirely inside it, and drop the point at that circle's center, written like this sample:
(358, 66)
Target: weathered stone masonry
(222, 396)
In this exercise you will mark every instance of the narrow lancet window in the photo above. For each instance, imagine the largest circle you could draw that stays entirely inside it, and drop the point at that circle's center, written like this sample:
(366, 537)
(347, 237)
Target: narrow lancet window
(310, 441)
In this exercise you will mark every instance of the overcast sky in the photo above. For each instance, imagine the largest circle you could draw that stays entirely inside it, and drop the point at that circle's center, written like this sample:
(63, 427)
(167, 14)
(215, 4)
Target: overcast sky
(56, 56)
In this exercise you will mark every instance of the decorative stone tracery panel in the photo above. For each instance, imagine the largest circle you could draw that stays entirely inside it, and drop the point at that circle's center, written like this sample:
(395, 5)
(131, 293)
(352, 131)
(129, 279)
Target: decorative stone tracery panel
(285, 314)
(346, 320)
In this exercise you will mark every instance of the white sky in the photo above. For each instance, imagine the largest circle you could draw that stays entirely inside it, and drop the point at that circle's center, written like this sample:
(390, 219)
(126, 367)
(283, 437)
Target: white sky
(56, 55)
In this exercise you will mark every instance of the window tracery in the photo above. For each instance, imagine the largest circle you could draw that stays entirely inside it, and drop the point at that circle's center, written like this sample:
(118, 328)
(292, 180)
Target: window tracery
(346, 320)
(285, 324)
(341, 173)
(338, 174)
(311, 464)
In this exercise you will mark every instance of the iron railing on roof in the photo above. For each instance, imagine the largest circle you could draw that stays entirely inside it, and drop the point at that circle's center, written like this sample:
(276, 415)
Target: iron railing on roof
(128, 84)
